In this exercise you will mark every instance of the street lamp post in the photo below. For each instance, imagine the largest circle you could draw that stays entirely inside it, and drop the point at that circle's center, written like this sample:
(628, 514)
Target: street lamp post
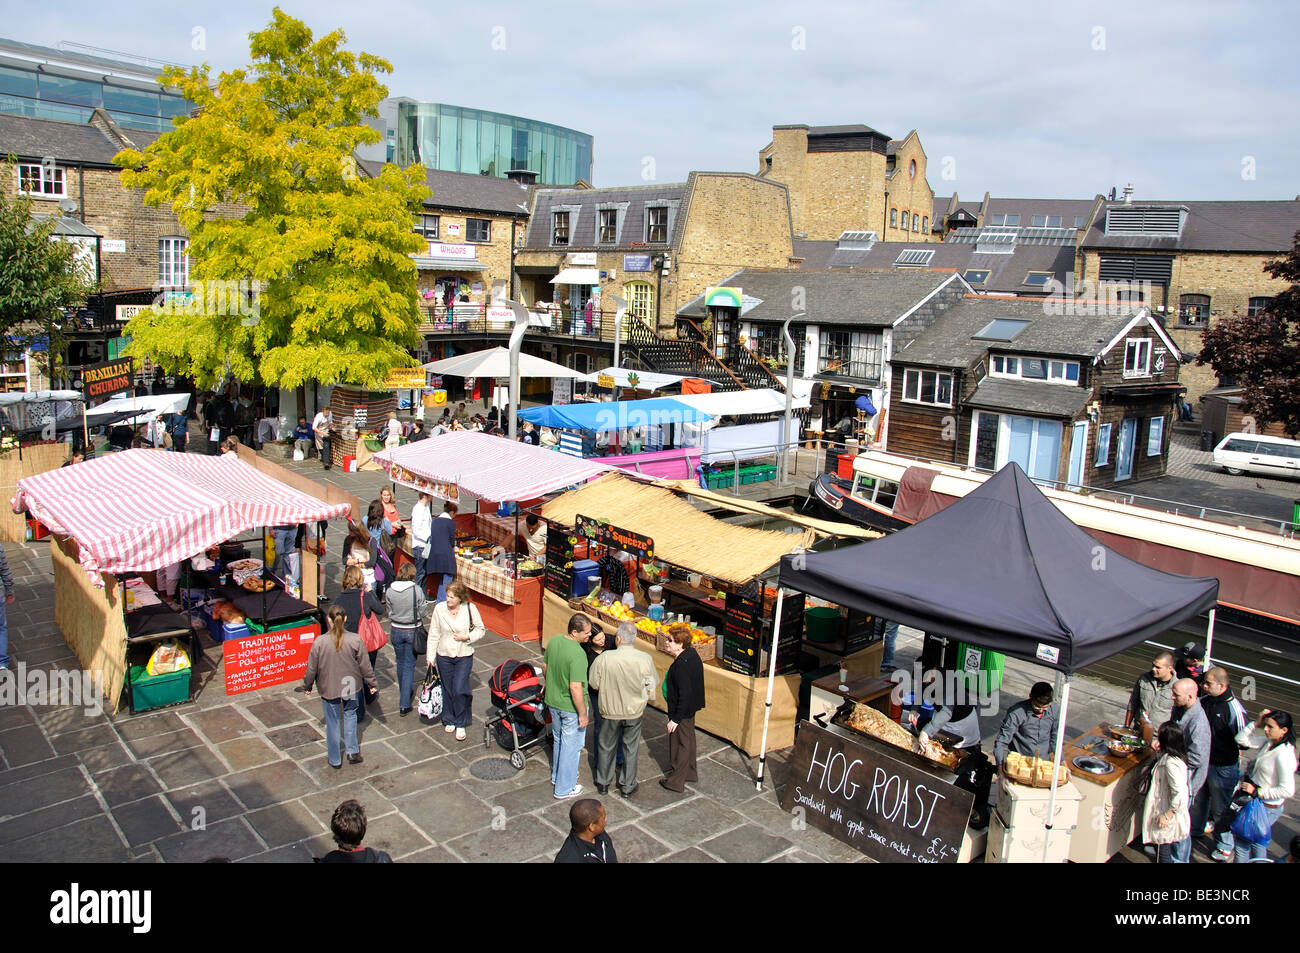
(789, 396)
(516, 343)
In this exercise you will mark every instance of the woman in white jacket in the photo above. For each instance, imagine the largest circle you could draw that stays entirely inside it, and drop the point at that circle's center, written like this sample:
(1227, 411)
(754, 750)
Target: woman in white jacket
(1167, 815)
(1271, 777)
(456, 625)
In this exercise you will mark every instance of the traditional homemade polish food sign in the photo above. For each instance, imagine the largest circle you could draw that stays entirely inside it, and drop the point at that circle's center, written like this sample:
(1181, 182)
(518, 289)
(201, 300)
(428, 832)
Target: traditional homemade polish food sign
(268, 658)
(889, 810)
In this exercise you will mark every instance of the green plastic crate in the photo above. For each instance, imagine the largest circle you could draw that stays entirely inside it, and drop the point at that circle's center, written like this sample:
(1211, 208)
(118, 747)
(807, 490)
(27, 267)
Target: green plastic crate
(257, 629)
(719, 481)
(154, 691)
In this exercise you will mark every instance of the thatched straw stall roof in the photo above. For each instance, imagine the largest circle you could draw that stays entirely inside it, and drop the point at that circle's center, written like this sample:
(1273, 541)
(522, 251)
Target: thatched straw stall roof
(682, 534)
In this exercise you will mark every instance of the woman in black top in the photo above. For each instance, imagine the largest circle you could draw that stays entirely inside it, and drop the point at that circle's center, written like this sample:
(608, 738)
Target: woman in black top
(354, 596)
(685, 683)
(599, 642)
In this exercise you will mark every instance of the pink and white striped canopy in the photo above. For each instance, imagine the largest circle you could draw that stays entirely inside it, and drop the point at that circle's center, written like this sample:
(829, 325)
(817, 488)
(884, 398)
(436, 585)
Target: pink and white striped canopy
(489, 467)
(138, 510)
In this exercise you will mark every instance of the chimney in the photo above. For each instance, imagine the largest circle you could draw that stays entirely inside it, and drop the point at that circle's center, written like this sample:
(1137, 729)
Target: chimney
(522, 176)
(1128, 194)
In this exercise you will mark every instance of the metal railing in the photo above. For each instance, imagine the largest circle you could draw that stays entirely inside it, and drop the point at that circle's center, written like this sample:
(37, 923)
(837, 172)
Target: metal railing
(552, 321)
(1173, 507)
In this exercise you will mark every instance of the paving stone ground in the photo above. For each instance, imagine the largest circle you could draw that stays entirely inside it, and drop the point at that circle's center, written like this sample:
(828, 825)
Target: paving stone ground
(245, 777)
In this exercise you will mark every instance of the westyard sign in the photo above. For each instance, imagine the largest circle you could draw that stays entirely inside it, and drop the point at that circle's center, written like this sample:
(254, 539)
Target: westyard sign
(890, 810)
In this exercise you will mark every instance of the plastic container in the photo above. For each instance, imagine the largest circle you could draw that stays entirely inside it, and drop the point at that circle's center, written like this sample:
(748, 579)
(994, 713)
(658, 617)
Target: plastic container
(656, 593)
(822, 624)
(655, 611)
(629, 600)
(154, 691)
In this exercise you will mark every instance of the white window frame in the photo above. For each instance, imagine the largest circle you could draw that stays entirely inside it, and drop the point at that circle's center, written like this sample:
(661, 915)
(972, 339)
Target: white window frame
(600, 225)
(555, 227)
(1103, 446)
(422, 225)
(916, 222)
(893, 218)
(1156, 432)
(650, 224)
(1012, 366)
(53, 186)
(1141, 348)
(913, 378)
(168, 264)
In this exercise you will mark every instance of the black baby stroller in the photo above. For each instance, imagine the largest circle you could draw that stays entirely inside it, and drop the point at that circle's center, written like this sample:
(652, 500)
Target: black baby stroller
(521, 719)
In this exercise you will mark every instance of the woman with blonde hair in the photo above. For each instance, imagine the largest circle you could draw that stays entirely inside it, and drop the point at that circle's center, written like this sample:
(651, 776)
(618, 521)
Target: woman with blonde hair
(456, 625)
(394, 438)
(355, 601)
(338, 665)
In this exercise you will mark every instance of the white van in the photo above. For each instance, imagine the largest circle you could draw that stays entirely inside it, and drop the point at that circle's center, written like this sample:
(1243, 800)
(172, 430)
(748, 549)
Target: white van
(1256, 453)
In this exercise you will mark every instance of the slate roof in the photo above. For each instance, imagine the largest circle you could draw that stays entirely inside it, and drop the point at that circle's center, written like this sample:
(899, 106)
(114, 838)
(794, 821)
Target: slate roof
(849, 130)
(1068, 209)
(815, 255)
(1006, 272)
(1032, 397)
(1268, 227)
(950, 341)
(588, 200)
(473, 193)
(866, 298)
(70, 142)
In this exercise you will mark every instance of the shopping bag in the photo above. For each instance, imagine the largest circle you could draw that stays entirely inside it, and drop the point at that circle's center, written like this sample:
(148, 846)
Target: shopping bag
(1251, 825)
(214, 435)
(299, 456)
(431, 695)
(1223, 824)
(371, 632)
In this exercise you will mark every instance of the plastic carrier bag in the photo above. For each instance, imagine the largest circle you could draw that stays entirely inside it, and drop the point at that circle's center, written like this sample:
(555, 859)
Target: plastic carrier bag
(168, 657)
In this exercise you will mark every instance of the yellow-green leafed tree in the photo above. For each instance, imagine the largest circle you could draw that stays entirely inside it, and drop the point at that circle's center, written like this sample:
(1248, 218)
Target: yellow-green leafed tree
(327, 249)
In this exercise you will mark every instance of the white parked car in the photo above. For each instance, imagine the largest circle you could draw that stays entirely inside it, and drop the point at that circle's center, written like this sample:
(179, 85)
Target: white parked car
(1256, 453)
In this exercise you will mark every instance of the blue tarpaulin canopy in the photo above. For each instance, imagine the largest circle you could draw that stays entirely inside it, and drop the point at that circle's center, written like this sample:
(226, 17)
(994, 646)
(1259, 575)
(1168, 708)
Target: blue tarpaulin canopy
(614, 415)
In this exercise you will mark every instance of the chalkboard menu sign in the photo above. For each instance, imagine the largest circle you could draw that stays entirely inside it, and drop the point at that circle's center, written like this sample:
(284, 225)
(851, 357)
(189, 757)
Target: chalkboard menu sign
(742, 630)
(559, 563)
(788, 649)
(890, 810)
(862, 630)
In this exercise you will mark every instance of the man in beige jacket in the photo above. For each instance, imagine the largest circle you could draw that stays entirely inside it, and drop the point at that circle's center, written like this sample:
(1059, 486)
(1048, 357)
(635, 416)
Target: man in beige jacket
(624, 679)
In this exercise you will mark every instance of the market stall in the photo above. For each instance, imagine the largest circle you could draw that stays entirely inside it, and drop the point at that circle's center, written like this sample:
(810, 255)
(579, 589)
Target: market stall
(618, 540)
(130, 514)
(1052, 596)
(484, 475)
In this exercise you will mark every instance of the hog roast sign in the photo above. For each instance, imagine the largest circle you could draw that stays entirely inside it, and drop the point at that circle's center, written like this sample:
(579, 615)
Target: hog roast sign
(891, 811)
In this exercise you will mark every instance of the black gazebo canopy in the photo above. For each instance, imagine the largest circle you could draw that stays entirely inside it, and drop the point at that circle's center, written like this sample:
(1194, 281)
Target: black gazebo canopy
(1004, 569)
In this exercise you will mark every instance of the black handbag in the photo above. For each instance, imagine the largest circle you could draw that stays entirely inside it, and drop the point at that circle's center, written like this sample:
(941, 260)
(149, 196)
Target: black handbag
(421, 630)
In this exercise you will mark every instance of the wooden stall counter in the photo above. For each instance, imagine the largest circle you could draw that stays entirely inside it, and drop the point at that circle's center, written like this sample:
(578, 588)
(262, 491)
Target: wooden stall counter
(1112, 797)
(827, 695)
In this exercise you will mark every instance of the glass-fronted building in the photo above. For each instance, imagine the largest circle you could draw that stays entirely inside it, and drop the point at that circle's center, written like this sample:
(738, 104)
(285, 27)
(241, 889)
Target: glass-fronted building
(68, 84)
(459, 139)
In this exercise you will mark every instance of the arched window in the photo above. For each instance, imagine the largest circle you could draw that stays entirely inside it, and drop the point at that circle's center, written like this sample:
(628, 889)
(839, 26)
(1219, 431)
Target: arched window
(893, 218)
(640, 297)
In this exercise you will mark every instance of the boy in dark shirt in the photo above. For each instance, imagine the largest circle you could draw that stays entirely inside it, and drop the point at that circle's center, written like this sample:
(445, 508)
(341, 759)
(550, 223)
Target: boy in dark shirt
(349, 827)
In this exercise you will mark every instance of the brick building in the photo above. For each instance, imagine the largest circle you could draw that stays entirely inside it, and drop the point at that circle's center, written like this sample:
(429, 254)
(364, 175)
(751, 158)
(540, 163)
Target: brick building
(655, 246)
(1201, 260)
(851, 178)
(1087, 400)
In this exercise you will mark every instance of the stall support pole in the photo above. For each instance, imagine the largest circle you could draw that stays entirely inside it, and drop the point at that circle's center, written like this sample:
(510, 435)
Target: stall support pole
(1063, 692)
(771, 679)
(1209, 638)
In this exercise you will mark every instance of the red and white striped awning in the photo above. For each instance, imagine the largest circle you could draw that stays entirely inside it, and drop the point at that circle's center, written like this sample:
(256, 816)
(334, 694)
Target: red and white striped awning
(138, 510)
(489, 467)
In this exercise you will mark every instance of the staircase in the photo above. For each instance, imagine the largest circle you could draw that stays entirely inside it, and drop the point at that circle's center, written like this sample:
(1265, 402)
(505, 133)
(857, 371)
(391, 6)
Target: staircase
(751, 371)
(684, 357)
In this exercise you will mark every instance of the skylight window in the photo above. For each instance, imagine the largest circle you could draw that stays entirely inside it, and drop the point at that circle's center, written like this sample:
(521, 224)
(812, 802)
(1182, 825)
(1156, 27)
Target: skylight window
(1002, 329)
(913, 257)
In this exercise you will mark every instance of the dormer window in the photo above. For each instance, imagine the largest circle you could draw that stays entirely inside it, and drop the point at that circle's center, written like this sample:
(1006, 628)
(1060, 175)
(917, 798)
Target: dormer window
(560, 229)
(657, 225)
(1137, 358)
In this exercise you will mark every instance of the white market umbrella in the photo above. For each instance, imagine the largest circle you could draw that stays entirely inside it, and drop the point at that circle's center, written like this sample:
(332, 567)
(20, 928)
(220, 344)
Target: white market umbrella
(495, 362)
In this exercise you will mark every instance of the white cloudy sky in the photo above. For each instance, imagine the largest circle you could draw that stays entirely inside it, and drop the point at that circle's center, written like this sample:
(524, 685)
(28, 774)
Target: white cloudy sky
(1026, 99)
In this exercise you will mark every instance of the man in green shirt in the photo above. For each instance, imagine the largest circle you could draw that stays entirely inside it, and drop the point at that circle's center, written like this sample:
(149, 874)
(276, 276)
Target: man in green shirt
(566, 697)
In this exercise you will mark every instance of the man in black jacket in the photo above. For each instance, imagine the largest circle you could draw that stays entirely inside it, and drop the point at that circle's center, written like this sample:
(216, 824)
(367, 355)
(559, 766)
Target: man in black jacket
(1226, 717)
(587, 842)
(685, 698)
